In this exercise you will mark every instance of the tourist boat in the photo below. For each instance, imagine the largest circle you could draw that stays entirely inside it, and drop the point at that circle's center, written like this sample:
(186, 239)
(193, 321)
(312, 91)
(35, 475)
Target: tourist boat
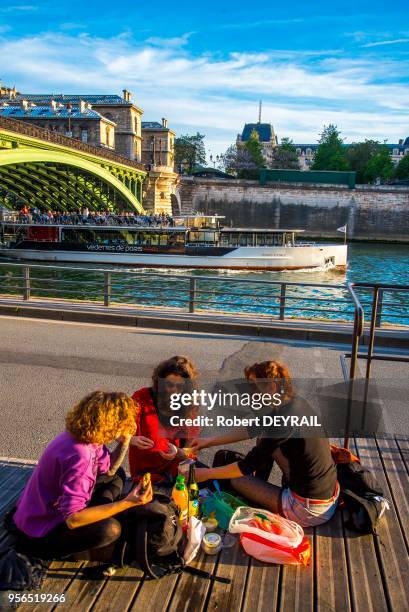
(196, 241)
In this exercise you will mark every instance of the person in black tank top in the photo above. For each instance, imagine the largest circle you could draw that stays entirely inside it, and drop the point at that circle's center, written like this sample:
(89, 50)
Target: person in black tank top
(309, 489)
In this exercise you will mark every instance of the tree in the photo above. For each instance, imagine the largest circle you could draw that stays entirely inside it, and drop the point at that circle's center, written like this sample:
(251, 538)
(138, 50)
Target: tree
(380, 166)
(190, 151)
(255, 149)
(402, 169)
(330, 153)
(236, 159)
(358, 156)
(285, 156)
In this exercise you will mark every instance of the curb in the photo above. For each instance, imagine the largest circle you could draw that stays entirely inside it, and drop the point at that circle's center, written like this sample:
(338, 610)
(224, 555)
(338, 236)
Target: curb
(222, 326)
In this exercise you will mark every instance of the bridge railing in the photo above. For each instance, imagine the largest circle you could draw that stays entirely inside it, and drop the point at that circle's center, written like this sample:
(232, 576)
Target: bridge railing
(20, 127)
(223, 294)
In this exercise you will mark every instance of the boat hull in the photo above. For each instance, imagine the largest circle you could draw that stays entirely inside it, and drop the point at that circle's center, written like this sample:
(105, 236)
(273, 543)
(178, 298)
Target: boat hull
(241, 258)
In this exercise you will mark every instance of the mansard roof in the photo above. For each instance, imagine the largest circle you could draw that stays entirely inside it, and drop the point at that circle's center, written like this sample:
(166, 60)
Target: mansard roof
(46, 112)
(72, 98)
(265, 131)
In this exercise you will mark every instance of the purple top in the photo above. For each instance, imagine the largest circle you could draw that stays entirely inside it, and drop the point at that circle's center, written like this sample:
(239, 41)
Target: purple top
(61, 484)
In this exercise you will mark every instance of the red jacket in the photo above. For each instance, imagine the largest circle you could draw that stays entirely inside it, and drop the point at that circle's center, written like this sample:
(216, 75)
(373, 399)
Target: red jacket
(149, 425)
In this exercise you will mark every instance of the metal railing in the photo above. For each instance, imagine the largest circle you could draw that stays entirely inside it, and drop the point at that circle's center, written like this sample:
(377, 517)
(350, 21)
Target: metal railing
(280, 300)
(20, 127)
(378, 292)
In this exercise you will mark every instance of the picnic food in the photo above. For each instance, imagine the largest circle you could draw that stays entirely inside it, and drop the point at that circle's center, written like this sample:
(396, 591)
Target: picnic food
(211, 543)
(146, 479)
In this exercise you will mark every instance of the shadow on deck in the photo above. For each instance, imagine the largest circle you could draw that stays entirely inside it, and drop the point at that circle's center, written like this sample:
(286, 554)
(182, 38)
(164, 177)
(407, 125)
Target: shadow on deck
(346, 572)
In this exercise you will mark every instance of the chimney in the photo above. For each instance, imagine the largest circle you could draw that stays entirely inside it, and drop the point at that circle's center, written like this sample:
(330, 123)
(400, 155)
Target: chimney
(401, 141)
(126, 95)
(24, 104)
(53, 105)
(83, 106)
(164, 122)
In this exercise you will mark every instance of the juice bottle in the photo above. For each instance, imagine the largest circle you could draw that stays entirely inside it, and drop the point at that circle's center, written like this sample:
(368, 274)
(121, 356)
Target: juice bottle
(181, 499)
(193, 492)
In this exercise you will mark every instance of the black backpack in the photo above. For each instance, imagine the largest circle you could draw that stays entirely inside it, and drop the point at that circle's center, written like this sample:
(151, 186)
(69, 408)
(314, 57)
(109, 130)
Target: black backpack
(362, 496)
(152, 539)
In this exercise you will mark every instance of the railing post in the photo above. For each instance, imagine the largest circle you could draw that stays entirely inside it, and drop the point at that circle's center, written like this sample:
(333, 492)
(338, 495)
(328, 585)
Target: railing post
(107, 288)
(192, 293)
(378, 318)
(26, 283)
(282, 301)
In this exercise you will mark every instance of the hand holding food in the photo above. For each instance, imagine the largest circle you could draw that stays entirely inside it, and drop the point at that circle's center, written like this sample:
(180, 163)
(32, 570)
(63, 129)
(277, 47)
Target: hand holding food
(140, 496)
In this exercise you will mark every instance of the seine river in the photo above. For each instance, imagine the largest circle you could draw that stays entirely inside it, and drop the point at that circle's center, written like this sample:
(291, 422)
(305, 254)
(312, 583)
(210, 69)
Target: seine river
(236, 292)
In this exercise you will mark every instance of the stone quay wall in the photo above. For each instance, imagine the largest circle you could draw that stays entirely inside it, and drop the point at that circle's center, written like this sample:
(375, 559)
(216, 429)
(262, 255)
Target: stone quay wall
(370, 212)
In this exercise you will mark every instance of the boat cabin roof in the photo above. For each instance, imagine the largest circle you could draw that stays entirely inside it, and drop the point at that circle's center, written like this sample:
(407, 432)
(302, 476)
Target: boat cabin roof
(261, 230)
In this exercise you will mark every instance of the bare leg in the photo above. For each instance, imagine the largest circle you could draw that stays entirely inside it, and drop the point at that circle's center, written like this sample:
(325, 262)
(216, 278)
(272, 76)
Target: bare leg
(259, 492)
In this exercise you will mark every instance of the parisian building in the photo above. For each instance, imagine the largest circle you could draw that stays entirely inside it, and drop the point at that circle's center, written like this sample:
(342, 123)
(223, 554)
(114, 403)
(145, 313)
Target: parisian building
(110, 121)
(74, 121)
(305, 152)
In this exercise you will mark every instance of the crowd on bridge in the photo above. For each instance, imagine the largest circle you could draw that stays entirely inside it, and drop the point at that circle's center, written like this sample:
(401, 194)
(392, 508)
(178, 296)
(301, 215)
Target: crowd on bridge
(86, 217)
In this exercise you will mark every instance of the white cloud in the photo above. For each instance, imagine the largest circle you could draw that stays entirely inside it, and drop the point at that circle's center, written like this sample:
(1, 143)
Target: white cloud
(395, 41)
(216, 95)
(176, 42)
(19, 7)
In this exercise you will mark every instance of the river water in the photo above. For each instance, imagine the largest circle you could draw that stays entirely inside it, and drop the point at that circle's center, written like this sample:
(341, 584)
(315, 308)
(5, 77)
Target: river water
(240, 292)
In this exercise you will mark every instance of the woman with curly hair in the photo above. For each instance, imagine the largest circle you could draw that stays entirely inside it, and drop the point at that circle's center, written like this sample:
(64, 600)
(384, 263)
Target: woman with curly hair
(156, 447)
(310, 490)
(69, 504)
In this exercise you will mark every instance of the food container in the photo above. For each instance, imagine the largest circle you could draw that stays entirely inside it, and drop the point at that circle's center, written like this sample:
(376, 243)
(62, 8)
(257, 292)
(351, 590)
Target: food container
(211, 543)
(210, 523)
(222, 507)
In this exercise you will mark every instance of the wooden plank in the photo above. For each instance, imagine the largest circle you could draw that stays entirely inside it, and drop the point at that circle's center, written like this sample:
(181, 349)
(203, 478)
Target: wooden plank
(82, 591)
(403, 445)
(191, 591)
(389, 544)
(119, 591)
(262, 589)
(297, 584)
(332, 588)
(155, 595)
(366, 587)
(398, 480)
(233, 563)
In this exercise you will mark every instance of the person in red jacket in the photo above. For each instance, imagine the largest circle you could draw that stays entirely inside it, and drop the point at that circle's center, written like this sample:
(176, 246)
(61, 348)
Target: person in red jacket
(157, 446)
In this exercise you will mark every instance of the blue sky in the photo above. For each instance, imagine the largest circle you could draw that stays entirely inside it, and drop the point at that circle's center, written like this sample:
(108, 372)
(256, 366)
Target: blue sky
(205, 66)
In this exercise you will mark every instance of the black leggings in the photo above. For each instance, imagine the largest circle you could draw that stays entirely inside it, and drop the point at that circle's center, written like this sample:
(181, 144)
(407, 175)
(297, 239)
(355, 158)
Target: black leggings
(61, 541)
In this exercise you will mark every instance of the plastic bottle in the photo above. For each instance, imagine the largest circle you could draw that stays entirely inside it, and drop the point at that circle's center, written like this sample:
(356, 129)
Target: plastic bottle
(181, 499)
(193, 492)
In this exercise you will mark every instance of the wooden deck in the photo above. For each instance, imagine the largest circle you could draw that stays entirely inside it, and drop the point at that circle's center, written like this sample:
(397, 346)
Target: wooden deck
(346, 572)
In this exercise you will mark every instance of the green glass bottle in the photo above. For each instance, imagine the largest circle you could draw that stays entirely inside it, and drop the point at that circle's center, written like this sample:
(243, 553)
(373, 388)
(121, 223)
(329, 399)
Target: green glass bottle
(193, 492)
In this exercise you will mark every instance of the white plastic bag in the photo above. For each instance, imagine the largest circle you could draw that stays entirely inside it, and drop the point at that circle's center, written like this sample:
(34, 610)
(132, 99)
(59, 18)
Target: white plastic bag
(195, 533)
(270, 537)
(287, 533)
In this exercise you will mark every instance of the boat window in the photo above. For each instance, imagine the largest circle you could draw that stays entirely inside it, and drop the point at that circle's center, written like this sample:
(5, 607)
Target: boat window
(203, 236)
(105, 237)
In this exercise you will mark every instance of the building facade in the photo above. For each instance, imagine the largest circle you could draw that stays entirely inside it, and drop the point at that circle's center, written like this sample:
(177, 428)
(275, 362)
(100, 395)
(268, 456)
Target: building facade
(266, 135)
(158, 153)
(107, 121)
(119, 111)
(74, 121)
(305, 152)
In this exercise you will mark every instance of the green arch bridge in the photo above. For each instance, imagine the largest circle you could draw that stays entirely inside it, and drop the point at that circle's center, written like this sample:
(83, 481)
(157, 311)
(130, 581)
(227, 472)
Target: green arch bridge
(45, 169)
